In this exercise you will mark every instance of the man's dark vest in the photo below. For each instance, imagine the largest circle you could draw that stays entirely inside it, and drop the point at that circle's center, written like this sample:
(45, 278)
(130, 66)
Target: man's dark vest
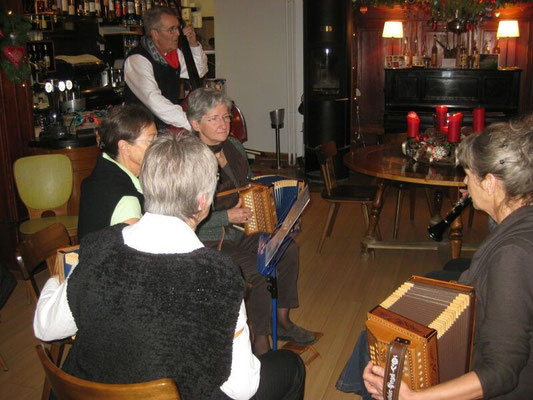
(100, 193)
(167, 78)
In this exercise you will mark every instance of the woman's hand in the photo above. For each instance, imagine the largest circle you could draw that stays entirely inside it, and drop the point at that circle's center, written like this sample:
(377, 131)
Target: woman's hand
(238, 214)
(373, 377)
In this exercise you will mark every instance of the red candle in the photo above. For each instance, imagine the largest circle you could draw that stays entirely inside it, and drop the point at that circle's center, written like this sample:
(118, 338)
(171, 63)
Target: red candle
(442, 112)
(413, 124)
(454, 128)
(479, 119)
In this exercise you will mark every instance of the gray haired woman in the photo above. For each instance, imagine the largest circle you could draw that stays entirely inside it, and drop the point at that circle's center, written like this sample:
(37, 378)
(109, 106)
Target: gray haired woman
(209, 114)
(499, 175)
(172, 307)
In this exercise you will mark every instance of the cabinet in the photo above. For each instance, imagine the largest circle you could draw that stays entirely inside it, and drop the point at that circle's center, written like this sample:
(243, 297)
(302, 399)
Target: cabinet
(421, 90)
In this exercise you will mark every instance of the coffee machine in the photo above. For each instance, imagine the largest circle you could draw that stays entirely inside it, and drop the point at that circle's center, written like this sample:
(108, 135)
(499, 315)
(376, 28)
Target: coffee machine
(56, 89)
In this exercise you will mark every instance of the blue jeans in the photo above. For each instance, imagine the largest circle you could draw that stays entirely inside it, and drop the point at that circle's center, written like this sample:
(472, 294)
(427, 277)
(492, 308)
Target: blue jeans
(351, 378)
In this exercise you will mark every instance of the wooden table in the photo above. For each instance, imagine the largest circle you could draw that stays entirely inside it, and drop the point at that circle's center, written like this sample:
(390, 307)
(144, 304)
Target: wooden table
(389, 164)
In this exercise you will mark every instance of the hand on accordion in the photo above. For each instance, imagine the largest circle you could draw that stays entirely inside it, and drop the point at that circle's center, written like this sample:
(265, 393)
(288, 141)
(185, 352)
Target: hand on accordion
(238, 214)
(373, 376)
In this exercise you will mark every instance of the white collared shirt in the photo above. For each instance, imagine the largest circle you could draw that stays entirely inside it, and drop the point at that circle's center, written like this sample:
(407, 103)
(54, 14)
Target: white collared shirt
(156, 234)
(139, 76)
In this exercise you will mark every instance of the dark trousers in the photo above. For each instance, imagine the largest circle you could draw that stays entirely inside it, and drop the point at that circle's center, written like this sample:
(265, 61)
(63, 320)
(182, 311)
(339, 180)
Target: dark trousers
(282, 376)
(244, 253)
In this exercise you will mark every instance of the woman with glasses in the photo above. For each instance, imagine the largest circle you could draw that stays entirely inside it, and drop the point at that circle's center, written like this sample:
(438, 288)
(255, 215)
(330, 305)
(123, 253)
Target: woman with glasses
(112, 193)
(209, 115)
(153, 70)
(149, 301)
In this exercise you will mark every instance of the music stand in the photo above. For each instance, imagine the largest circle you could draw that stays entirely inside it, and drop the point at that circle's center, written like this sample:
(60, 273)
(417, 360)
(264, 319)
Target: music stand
(276, 122)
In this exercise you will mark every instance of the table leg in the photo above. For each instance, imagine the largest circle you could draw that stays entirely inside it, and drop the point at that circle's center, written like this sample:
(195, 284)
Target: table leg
(377, 205)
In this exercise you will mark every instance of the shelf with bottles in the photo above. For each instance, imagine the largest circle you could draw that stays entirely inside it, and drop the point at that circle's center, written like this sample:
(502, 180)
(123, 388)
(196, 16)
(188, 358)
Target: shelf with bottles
(41, 56)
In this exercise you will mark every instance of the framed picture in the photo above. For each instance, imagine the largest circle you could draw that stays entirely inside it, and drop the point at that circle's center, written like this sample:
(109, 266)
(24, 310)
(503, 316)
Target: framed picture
(394, 62)
(489, 61)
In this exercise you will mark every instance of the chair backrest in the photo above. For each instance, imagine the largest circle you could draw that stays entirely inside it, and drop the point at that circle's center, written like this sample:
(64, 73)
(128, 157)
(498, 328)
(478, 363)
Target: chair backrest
(44, 183)
(68, 387)
(325, 153)
(40, 246)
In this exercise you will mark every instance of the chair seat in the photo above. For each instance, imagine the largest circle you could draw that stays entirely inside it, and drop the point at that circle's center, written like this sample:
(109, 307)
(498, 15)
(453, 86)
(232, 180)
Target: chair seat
(351, 193)
(35, 225)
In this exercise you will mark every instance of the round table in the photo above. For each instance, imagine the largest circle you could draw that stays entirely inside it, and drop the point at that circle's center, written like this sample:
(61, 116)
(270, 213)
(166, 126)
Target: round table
(389, 164)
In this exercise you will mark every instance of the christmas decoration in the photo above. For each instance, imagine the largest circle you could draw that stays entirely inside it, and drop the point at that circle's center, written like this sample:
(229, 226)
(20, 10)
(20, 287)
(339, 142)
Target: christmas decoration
(13, 38)
(464, 14)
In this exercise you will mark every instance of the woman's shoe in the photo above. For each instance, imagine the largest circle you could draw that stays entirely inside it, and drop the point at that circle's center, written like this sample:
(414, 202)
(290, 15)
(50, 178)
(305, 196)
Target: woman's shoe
(296, 334)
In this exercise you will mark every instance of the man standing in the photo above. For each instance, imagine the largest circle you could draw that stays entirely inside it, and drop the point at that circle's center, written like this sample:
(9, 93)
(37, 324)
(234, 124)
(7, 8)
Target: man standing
(153, 70)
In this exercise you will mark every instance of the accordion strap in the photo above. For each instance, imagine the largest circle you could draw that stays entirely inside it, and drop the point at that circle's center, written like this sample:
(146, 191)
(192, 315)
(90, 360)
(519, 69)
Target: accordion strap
(394, 368)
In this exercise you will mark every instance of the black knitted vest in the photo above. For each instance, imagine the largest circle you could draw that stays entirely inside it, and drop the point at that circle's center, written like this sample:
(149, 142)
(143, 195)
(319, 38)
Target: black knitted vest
(167, 78)
(100, 193)
(144, 316)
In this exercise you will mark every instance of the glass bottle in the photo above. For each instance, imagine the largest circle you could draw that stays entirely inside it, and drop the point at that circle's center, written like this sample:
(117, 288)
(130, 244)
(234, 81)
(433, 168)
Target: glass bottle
(416, 56)
(407, 52)
(118, 9)
(463, 57)
(475, 56)
(496, 49)
(434, 52)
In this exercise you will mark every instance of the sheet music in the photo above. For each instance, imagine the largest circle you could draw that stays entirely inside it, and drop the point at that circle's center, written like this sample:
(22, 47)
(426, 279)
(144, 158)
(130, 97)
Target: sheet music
(293, 215)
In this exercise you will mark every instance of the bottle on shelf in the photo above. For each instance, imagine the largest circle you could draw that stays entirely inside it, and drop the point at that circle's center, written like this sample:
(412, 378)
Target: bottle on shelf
(111, 15)
(486, 47)
(118, 9)
(407, 53)
(98, 8)
(475, 56)
(86, 7)
(434, 53)
(71, 7)
(417, 59)
(46, 57)
(463, 57)
(496, 49)
(64, 6)
(92, 8)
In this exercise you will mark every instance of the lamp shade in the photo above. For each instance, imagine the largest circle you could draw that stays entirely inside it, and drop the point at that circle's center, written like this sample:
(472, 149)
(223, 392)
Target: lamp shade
(508, 29)
(392, 29)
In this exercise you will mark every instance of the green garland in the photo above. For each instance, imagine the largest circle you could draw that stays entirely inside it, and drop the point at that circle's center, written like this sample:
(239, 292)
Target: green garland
(13, 37)
(472, 11)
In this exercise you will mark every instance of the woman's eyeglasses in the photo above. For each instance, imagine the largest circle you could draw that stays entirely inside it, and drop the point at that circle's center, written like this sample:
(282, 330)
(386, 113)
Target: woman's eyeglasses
(217, 118)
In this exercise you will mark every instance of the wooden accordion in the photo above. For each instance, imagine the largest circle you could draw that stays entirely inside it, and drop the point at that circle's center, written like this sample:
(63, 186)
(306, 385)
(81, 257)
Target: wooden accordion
(436, 320)
(270, 197)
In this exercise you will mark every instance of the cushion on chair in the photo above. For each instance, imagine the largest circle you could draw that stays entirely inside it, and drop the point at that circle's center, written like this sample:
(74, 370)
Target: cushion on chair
(351, 193)
(35, 225)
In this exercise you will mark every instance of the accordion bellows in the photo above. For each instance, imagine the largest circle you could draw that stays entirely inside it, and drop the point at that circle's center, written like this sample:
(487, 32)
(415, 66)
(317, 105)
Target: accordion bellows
(437, 318)
(270, 197)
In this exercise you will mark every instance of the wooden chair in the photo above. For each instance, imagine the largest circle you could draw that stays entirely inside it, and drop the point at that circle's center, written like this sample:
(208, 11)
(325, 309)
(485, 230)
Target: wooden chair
(68, 387)
(34, 250)
(398, 138)
(44, 184)
(337, 194)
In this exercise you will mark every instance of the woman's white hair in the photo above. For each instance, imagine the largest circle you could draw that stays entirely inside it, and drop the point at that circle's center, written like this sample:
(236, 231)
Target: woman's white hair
(175, 174)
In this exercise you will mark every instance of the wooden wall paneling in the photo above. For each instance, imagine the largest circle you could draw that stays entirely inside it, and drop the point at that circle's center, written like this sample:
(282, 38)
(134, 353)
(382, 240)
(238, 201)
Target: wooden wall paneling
(16, 129)
(371, 49)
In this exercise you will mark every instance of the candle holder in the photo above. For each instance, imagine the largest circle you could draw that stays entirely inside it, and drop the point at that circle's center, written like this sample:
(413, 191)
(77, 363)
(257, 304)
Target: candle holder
(432, 148)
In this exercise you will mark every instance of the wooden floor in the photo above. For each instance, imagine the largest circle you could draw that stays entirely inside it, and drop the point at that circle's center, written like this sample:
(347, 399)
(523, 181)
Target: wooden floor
(336, 288)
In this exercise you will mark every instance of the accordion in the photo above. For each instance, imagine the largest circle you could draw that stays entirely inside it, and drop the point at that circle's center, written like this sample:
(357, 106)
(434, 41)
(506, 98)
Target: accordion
(435, 321)
(270, 198)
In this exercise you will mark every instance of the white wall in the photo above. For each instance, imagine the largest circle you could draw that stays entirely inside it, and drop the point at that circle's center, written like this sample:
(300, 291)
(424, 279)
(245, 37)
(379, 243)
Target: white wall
(259, 50)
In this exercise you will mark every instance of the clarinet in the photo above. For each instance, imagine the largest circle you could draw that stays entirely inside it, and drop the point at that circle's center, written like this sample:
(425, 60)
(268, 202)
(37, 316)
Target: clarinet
(436, 231)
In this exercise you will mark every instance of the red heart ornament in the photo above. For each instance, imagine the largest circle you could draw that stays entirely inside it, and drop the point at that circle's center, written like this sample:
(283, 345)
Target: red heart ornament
(14, 54)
